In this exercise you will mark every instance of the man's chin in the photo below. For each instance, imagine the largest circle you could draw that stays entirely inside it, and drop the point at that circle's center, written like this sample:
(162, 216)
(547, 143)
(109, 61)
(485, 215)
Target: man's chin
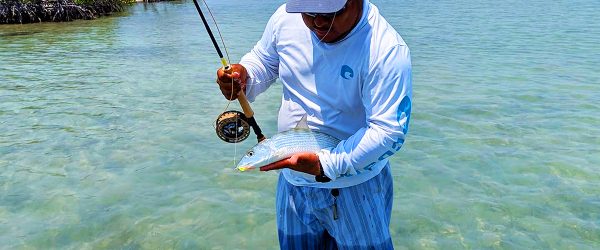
(327, 38)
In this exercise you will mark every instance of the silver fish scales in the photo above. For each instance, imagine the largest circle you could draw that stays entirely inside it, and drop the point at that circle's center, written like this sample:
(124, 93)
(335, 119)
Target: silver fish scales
(284, 145)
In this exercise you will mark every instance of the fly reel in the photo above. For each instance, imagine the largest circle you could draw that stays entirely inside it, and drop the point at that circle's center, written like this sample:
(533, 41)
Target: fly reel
(232, 126)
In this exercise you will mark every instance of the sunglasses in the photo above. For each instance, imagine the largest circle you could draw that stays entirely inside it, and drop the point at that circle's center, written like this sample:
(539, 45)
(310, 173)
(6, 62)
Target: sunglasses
(327, 15)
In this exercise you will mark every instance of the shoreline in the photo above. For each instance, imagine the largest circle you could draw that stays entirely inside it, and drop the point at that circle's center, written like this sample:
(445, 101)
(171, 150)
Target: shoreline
(37, 11)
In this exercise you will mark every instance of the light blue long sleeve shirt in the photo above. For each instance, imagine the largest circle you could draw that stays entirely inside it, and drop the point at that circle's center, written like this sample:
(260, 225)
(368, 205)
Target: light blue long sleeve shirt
(358, 89)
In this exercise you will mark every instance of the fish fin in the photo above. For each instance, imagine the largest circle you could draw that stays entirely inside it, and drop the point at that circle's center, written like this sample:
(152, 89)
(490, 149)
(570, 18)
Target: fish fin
(245, 168)
(302, 124)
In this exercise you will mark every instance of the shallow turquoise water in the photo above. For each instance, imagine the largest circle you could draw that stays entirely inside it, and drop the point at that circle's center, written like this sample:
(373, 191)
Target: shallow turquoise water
(107, 136)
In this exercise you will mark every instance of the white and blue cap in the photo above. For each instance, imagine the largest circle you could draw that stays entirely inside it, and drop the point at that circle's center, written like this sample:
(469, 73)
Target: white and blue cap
(314, 6)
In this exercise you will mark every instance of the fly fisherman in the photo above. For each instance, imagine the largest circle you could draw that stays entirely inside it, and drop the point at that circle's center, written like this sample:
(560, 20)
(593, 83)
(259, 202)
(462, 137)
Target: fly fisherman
(344, 66)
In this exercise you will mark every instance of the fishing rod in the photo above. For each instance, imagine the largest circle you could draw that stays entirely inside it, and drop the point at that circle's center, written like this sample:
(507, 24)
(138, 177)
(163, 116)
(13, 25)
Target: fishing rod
(232, 126)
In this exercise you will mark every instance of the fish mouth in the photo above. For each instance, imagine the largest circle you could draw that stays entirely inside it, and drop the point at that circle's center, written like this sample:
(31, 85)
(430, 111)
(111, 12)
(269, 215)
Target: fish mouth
(245, 168)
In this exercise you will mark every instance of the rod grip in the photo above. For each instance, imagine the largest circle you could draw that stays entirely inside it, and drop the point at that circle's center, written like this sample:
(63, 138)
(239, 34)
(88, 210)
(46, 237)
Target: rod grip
(245, 104)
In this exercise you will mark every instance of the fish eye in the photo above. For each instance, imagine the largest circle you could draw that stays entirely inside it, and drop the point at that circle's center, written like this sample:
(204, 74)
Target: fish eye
(250, 153)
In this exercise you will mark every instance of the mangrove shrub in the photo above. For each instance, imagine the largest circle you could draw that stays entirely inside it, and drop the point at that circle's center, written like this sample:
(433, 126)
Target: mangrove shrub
(30, 11)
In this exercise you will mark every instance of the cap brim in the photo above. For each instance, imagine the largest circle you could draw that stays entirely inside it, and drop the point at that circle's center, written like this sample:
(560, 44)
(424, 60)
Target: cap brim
(314, 6)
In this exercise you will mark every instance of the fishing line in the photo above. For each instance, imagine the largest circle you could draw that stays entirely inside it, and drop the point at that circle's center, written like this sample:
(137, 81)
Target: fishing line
(218, 31)
(226, 54)
(231, 126)
(329, 30)
(225, 67)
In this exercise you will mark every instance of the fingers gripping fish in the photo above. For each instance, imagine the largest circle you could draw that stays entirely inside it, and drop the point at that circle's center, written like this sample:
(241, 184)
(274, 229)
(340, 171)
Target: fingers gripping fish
(285, 144)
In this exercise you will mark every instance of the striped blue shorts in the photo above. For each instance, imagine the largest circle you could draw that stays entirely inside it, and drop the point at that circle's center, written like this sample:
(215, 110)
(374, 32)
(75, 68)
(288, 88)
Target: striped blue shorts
(305, 215)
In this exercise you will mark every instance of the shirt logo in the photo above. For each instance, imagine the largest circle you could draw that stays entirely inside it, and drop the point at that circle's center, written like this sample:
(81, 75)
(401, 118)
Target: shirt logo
(347, 72)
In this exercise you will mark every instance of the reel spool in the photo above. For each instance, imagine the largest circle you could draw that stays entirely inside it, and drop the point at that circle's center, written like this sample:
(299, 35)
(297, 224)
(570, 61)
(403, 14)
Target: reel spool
(232, 126)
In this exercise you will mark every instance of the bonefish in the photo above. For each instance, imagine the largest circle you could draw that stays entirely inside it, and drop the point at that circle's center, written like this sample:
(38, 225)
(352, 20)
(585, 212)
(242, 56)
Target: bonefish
(285, 144)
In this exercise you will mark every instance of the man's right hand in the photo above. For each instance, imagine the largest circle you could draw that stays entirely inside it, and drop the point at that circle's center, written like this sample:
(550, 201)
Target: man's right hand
(232, 81)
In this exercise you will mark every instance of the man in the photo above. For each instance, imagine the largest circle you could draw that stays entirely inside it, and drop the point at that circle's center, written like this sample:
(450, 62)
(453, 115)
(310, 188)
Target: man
(345, 67)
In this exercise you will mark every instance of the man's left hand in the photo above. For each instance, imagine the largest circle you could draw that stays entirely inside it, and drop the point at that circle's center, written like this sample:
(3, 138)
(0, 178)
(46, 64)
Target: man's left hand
(302, 162)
